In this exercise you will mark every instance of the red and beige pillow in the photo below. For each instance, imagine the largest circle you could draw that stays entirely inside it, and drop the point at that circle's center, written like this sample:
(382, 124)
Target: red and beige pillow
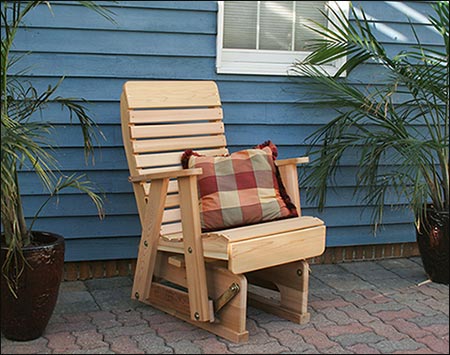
(239, 189)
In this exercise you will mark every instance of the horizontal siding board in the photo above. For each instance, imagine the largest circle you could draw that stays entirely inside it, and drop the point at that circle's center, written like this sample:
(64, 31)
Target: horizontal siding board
(141, 4)
(126, 19)
(105, 159)
(110, 181)
(71, 136)
(288, 151)
(121, 66)
(279, 134)
(282, 134)
(156, 67)
(276, 114)
(91, 226)
(350, 215)
(109, 89)
(114, 42)
(101, 112)
(344, 196)
(363, 235)
(101, 249)
(80, 205)
(403, 33)
(280, 113)
(396, 11)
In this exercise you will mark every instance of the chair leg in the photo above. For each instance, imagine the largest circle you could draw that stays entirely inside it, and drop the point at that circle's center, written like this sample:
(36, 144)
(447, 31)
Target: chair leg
(145, 265)
(291, 280)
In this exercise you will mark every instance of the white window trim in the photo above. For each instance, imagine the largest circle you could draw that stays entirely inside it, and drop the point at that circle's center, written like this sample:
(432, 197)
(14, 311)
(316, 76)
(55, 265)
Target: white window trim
(264, 62)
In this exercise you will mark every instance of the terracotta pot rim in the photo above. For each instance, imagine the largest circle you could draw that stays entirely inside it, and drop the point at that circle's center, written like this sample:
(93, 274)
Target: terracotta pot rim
(57, 240)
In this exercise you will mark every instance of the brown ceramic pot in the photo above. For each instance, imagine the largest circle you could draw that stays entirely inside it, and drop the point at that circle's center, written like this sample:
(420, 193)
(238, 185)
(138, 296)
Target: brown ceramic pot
(432, 240)
(26, 317)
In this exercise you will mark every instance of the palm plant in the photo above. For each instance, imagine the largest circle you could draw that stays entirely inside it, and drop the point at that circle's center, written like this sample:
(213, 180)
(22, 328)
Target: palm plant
(404, 122)
(25, 140)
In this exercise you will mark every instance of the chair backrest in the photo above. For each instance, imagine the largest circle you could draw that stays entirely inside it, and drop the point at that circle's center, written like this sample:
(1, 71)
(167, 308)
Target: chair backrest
(160, 120)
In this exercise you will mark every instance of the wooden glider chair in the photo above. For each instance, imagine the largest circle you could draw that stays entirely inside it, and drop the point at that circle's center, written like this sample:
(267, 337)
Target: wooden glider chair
(202, 278)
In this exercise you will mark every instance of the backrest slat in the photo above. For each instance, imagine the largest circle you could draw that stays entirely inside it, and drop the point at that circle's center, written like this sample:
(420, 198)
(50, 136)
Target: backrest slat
(176, 94)
(171, 228)
(170, 130)
(169, 144)
(157, 116)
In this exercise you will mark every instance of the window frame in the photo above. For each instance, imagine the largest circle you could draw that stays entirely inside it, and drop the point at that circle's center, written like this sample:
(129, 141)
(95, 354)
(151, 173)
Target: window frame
(265, 62)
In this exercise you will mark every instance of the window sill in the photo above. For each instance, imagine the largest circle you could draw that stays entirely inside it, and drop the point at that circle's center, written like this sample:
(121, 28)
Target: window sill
(257, 62)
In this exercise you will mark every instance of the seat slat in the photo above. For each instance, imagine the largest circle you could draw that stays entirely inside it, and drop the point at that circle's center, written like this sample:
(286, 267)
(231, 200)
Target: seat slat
(176, 130)
(170, 144)
(254, 231)
(269, 228)
(174, 115)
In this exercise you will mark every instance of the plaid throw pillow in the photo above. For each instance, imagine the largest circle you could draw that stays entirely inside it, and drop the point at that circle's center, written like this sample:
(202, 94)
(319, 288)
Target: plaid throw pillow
(240, 189)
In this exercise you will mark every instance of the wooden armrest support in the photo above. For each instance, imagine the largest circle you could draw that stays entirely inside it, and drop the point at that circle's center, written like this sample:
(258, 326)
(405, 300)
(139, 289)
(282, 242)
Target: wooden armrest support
(288, 172)
(295, 161)
(166, 175)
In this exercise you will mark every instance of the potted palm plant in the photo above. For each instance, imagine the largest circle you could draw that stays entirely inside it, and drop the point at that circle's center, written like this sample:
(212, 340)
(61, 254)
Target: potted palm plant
(405, 120)
(31, 261)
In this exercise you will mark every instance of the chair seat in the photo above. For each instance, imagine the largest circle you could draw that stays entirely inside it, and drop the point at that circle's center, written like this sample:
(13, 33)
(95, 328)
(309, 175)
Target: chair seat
(258, 246)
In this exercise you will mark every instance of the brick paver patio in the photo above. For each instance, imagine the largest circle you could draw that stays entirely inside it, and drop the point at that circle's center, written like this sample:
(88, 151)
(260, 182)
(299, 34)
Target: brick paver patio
(368, 307)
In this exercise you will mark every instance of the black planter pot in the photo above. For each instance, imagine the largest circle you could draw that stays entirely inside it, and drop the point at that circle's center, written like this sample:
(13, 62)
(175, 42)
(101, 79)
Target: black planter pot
(432, 240)
(26, 317)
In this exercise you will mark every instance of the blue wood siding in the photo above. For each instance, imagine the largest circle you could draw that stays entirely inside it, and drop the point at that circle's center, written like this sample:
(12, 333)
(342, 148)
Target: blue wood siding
(177, 40)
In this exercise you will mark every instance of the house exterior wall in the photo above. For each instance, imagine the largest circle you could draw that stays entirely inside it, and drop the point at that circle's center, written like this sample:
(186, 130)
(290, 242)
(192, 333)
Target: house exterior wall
(177, 40)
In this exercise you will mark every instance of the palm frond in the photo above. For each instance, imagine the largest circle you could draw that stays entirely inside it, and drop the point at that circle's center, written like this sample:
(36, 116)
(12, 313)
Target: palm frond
(405, 120)
(25, 142)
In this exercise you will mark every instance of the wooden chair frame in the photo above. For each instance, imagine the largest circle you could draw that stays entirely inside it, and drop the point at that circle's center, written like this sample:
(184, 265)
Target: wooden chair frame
(203, 278)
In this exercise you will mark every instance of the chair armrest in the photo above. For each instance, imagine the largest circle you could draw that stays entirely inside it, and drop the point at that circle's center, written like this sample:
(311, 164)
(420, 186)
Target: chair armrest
(295, 161)
(166, 175)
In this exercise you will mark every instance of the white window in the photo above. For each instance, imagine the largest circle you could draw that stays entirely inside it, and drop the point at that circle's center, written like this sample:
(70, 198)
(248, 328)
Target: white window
(267, 37)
